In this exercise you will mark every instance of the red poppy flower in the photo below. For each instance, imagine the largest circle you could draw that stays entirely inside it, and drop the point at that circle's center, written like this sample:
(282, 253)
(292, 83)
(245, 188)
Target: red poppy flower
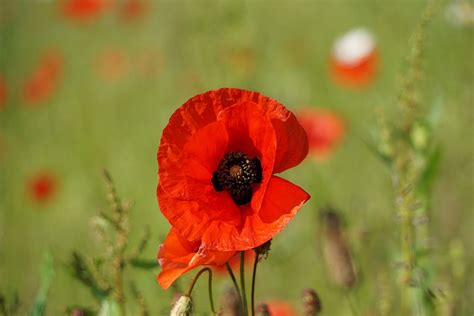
(234, 262)
(178, 256)
(280, 308)
(134, 9)
(325, 130)
(41, 84)
(3, 92)
(217, 158)
(355, 59)
(84, 10)
(42, 186)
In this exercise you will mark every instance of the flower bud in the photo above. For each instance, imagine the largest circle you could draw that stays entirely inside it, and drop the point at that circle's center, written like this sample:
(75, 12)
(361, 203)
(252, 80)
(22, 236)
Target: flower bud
(77, 312)
(336, 251)
(183, 307)
(262, 310)
(263, 250)
(230, 302)
(311, 303)
(420, 136)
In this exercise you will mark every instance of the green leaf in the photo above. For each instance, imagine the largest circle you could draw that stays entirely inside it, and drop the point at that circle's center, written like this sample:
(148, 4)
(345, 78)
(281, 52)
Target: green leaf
(47, 275)
(110, 308)
(144, 264)
(81, 271)
(375, 150)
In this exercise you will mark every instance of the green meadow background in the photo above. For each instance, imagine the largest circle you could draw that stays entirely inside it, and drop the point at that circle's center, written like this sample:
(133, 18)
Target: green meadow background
(279, 48)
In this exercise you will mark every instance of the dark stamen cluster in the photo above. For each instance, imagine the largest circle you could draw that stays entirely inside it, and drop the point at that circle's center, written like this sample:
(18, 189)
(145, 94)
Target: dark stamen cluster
(236, 173)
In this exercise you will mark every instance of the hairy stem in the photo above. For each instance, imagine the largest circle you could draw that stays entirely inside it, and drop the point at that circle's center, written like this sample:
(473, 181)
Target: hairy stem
(242, 283)
(234, 281)
(254, 276)
(196, 277)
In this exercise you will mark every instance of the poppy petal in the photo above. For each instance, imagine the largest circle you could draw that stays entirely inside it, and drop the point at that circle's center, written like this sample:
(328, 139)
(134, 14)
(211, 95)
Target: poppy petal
(292, 143)
(251, 132)
(178, 256)
(282, 200)
(186, 170)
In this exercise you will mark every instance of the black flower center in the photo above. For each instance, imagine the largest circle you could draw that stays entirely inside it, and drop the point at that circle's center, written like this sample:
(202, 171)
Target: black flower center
(236, 173)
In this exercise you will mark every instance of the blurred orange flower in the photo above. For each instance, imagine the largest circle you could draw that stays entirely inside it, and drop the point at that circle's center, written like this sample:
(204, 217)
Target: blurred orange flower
(354, 59)
(84, 10)
(280, 308)
(3, 92)
(178, 256)
(134, 9)
(42, 186)
(217, 158)
(325, 130)
(43, 81)
(111, 64)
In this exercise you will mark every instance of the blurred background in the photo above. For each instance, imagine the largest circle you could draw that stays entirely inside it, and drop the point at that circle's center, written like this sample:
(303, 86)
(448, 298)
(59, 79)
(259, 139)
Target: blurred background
(90, 84)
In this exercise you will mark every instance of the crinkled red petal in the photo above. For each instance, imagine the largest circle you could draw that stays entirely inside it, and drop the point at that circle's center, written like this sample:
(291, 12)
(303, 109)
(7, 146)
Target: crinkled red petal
(281, 202)
(178, 256)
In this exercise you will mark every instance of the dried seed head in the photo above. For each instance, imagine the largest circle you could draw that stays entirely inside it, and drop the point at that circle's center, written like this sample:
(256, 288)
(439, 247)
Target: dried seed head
(183, 307)
(262, 310)
(311, 303)
(335, 250)
(230, 303)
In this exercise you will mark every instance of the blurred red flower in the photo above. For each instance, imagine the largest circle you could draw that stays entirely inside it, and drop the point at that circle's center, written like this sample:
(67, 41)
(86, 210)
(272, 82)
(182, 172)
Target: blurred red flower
(42, 186)
(280, 308)
(84, 10)
(217, 158)
(111, 64)
(178, 256)
(134, 9)
(354, 59)
(325, 131)
(3, 92)
(43, 81)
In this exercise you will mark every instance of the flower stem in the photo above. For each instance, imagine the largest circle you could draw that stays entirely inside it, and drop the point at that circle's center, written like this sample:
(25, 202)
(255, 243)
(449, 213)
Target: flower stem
(234, 280)
(242, 283)
(191, 287)
(254, 274)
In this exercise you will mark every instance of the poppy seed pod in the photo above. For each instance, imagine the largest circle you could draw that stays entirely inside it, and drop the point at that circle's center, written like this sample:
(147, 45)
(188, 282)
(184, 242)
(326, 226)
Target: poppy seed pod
(262, 310)
(183, 307)
(311, 303)
(335, 250)
(77, 312)
(263, 250)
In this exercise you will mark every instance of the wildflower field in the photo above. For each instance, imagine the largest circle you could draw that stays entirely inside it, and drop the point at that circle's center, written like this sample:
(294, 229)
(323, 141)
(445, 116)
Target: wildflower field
(343, 137)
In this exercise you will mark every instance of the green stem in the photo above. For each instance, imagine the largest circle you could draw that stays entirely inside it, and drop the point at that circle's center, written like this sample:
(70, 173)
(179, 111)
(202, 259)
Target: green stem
(242, 283)
(191, 287)
(234, 280)
(352, 304)
(254, 274)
